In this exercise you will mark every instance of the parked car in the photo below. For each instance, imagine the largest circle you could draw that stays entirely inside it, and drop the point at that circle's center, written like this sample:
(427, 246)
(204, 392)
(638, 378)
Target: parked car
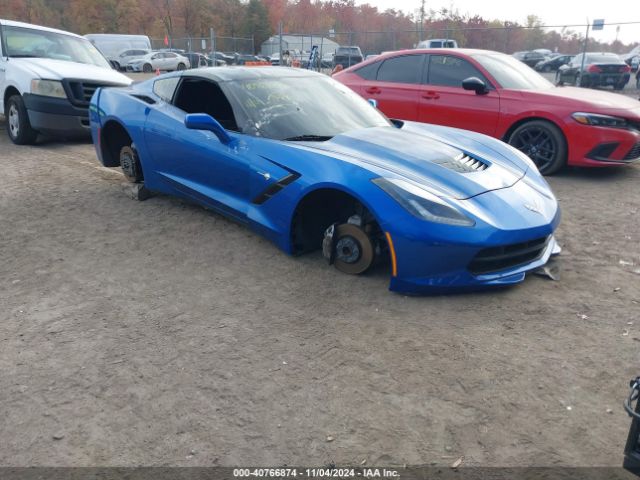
(347, 56)
(164, 61)
(312, 166)
(638, 79)
(222, 57)
(530, 58)
(438, 43)
(553, 63)
(633, 62)
(495, 94)
(600, 70)
(47, 77)
(121, 60)
(197, 60)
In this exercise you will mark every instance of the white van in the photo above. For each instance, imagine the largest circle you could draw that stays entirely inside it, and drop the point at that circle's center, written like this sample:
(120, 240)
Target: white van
(47, 79)
(438, 43)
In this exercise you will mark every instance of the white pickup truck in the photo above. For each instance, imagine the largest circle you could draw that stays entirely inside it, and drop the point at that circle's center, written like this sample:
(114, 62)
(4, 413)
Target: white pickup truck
(47, 78)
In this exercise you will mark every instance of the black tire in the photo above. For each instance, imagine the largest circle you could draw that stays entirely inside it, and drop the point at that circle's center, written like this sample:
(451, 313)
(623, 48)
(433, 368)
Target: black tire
(18, 125)
(130, 164)
(147, 68)
(619, 86)
(182, 66)
(543, 142)
(117, 66)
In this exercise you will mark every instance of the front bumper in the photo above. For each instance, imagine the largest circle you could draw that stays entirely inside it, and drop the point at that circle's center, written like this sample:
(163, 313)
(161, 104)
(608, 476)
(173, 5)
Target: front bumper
(592, 146)
(57, 116)
(134, 68)
(435, 258)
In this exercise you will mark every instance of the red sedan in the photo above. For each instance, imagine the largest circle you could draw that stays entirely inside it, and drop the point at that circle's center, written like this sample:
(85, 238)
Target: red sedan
(495, 94)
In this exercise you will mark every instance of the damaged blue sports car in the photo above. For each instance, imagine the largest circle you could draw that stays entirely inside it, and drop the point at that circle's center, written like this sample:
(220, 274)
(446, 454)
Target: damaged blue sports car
(306, 162)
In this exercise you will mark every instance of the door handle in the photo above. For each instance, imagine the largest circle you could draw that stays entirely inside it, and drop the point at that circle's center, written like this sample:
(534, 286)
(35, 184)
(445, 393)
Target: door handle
(372, 90)
(430, 95)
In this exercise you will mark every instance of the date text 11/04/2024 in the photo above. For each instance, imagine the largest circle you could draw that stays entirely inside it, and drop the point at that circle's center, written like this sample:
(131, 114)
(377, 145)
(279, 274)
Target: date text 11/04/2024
(316, 472)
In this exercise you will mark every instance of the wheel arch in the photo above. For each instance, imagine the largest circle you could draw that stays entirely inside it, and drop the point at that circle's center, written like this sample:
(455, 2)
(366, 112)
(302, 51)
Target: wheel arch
(8, 93)
(319, 202)
(113, 136)
(531, 118)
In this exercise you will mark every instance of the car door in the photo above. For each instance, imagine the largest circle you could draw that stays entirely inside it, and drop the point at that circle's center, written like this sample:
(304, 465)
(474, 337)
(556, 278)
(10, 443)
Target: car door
(569, 71)
(443, 101)
(195, 163)
(156, 61)
(396, 87)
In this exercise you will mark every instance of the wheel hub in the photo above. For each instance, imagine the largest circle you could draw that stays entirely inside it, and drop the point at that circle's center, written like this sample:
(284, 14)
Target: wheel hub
(348, 250)
(14, 121)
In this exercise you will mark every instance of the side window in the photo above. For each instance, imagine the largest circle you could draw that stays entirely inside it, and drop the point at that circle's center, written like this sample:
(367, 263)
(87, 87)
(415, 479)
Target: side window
(450, 71)
(165, 87)
(368, 72)
(202, 96)
(404, 69)
(170, 55)
(156, 56)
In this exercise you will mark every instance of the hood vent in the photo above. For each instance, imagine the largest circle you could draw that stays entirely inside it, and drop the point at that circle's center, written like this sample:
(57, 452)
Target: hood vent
(462, 163)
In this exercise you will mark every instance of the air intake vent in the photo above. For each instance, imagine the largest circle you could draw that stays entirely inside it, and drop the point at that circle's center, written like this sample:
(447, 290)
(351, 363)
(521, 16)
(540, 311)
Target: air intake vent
(463, 164)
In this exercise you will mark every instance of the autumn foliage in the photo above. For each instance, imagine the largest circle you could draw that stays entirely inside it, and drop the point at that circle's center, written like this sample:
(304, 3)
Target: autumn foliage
(363, 25)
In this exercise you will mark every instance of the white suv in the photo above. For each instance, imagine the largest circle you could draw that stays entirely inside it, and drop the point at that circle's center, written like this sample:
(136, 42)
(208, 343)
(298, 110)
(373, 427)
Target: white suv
(47, 78)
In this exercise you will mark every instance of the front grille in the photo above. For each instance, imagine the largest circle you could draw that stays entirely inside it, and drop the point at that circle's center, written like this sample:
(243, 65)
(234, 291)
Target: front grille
(81, 91)
(462, 164)
(495, 259)
(634, 153)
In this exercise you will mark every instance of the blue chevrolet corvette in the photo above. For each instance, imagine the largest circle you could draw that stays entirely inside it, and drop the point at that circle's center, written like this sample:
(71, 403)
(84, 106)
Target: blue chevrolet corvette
(307, 163)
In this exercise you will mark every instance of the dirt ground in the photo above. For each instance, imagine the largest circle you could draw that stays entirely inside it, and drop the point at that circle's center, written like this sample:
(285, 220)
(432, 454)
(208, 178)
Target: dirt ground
(159, 333)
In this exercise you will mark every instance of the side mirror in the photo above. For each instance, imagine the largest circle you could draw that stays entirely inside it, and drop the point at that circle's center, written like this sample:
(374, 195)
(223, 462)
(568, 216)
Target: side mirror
(202, 121)
(475, 84)
(373, 102)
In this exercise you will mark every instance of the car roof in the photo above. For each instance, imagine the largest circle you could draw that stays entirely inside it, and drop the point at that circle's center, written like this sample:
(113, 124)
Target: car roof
(12, 23)
(227, 74)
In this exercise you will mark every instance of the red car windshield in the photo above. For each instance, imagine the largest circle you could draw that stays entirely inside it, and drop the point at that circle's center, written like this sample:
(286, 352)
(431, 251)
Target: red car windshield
(512, 73)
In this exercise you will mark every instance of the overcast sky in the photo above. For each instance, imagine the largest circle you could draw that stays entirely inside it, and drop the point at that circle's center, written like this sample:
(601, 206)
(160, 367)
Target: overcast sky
(552, 12)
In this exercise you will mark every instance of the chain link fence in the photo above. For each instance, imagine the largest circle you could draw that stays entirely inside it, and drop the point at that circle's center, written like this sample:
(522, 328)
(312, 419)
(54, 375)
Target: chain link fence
(241, 45)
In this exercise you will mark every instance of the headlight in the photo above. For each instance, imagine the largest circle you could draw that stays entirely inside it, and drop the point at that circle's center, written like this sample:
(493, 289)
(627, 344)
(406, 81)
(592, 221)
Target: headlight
(48, 88)
(599, 120)
(423, 204)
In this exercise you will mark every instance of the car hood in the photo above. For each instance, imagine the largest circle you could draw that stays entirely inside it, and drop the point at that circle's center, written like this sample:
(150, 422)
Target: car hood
(585, 99)
(51, 69)
(428, 158)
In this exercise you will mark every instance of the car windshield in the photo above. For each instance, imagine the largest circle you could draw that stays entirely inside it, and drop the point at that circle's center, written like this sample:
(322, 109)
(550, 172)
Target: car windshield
(301, 108)
(23, 42)
(512, 73)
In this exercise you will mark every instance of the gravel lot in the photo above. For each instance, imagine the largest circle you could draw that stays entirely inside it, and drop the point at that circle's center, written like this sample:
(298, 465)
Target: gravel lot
(160, 333)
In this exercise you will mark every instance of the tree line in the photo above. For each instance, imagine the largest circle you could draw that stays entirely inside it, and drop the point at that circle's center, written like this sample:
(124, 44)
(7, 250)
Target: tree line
(365, 25)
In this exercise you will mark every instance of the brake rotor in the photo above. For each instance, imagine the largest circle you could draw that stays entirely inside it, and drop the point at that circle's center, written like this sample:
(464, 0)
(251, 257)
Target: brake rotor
(354, 252)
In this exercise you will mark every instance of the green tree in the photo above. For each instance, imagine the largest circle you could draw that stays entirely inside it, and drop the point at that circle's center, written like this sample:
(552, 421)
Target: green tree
(257, 23)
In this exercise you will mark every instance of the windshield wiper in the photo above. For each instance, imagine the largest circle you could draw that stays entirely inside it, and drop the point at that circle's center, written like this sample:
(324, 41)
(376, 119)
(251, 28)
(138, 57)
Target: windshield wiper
(309, 138)
(24, 56)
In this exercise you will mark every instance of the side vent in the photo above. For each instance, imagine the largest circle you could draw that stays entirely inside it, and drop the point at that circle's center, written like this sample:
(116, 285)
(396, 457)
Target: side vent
(462, 163)
(145, 99)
